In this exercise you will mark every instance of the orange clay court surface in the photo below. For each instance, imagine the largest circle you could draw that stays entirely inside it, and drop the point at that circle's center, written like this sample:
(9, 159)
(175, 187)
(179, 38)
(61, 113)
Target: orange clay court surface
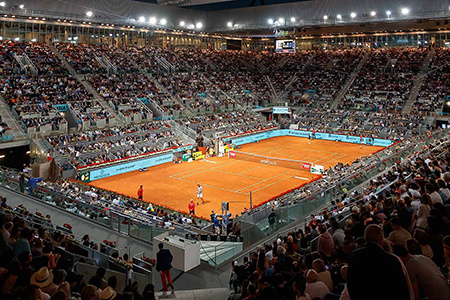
(231, 179)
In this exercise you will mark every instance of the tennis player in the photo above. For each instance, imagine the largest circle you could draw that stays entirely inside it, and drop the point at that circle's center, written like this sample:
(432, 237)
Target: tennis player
(200, 193)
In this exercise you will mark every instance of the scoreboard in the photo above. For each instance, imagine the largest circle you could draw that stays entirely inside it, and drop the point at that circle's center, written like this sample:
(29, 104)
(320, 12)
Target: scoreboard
(285, 46)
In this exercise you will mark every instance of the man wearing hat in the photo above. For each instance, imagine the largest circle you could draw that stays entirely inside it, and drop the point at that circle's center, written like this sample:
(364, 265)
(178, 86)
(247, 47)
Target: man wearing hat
(42, 279)
(108, 293)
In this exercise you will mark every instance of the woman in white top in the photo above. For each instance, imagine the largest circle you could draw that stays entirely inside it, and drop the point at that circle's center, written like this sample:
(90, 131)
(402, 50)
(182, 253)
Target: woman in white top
(423, 212)
(322, 274)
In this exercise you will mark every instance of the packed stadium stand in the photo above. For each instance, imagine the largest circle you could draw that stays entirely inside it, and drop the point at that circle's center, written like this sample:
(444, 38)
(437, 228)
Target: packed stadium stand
(273, 149)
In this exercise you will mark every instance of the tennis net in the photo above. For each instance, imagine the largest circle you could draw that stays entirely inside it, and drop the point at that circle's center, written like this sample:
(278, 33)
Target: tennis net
(273, 161)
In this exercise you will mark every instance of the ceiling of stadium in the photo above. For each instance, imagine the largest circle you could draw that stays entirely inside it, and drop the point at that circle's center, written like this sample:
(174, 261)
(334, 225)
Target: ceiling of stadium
(214, 5)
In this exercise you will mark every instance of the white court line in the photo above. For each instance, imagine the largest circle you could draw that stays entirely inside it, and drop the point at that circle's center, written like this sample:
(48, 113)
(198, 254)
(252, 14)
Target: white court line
(327, 157)
(209, 161)
(262, 181)
(302, 178)
(211, 186)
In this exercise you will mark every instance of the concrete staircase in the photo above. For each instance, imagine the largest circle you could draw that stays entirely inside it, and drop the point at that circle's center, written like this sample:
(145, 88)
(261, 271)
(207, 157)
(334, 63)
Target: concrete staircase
(216, 252)
(282, 63)
(340, 95)
(89, 87)
(237, 104)
(296, 76)
(15, 126)
(272, 88)
(162, 88)
(417, 84)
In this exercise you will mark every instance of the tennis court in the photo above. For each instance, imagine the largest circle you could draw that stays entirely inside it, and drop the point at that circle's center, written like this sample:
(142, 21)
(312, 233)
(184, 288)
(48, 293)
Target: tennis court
(232, 179)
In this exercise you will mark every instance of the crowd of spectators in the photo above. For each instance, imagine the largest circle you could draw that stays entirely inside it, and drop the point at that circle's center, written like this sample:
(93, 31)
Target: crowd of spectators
(226, 124)
(91, 147)
(434, 89)
(32, 266)
(384, 82)
(393, 126)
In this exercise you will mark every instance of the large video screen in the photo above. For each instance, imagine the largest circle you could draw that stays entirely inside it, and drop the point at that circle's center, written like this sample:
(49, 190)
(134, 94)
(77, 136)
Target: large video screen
(284, 46)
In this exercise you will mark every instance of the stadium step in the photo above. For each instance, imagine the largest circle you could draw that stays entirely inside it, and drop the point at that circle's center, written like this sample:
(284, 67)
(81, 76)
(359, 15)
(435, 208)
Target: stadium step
(274, 93)
(205, 294)
(216, 252)
(348, 84)
(8, 117)
(162, 88)
(417, 84)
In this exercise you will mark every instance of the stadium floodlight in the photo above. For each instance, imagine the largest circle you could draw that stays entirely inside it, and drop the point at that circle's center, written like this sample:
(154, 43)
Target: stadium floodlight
(199, 25)
(2, 4)
(21, 6)
(152, 20)
(141, 19)
(230, 24)
(280, 20)
(405, 11)
(182, 23)
(388, 13)
(339, 17)
(89, 14)
(373, 14)
(325, 17)
(353, 15)
(293, 20)
(270, 21)
(163, 22)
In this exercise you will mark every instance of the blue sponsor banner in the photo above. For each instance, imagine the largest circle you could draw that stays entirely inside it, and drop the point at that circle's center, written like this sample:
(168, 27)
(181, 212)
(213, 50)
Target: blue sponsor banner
(61, 107)
(281, 110)
(301, 133)
(131, 166)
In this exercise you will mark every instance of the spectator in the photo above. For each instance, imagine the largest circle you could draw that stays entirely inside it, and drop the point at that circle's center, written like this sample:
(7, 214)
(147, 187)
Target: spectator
(108, 294)
(399, 235)
(426, 278)
(380, 269)
(325, 243)
(42, 279)
(299, 288)
(323, 274)
(314, 288)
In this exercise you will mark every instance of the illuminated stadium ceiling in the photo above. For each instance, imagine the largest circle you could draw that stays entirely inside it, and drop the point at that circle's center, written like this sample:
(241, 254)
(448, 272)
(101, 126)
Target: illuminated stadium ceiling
(212, 5)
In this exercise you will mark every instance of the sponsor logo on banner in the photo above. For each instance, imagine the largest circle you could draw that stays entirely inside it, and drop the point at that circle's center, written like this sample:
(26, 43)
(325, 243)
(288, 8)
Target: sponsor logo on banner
(232, 153)
(317, 169)
(268, 162)
(306, 166)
